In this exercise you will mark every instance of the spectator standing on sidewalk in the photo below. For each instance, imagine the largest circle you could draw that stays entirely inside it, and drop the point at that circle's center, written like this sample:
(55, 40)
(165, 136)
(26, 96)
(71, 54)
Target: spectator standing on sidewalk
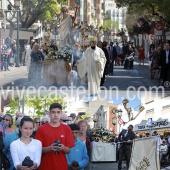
(141, 54)
(14, 52)
(165, 64)
(54, 156)
(4, 58)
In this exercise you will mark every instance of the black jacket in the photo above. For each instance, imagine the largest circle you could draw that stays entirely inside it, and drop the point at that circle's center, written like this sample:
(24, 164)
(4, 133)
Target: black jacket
(129, 136)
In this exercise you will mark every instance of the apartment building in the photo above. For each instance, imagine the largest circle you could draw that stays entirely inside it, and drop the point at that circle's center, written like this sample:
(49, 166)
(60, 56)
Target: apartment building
(114, 13)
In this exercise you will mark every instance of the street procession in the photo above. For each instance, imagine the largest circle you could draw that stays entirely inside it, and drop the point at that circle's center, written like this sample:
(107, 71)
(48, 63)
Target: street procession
(84, 85)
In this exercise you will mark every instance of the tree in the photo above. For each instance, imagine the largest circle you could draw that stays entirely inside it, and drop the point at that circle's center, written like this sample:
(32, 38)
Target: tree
(154, 7)
(110, 25)
(14, 105)
(32, 11)
(41, 104)
(146, 10)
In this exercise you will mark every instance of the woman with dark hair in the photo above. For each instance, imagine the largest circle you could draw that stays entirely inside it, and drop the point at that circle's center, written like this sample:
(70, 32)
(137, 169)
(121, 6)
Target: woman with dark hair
(5, 127)
(25, 146)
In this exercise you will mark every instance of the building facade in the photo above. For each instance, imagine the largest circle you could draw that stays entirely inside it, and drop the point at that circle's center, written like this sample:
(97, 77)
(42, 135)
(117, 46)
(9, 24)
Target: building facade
(115, 14)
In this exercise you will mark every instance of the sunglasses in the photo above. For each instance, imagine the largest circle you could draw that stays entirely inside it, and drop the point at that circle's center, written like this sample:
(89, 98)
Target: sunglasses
(44, 122)
(37, 122)
(5, 119)
(64, 120)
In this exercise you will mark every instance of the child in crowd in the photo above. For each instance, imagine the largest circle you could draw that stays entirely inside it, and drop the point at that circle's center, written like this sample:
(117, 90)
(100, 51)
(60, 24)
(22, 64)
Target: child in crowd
(25, 146)
(77, 158)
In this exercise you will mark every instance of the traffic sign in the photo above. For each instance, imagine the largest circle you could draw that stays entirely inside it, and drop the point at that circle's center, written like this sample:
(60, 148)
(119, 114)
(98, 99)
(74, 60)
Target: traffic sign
(152, 37)
(158, 32)
(159, 26)
(120, 121)
(150, 122)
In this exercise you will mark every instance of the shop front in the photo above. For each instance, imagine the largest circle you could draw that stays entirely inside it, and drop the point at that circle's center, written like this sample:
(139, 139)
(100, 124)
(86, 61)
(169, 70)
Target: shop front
(160, 125)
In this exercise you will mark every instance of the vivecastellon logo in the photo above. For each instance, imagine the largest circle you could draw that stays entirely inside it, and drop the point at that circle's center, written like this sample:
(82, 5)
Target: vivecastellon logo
(81, 91)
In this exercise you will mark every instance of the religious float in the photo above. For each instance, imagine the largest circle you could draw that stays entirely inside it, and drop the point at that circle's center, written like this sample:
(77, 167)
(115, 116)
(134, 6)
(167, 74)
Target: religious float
(57, 63)
(103, 148)
(58, 52)
(57, 66)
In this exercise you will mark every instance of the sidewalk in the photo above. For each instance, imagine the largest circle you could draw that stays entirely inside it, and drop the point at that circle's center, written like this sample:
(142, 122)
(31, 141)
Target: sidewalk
(13, 71)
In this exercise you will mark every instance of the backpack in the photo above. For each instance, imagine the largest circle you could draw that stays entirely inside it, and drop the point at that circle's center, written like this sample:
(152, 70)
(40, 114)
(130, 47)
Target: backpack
(4, 162)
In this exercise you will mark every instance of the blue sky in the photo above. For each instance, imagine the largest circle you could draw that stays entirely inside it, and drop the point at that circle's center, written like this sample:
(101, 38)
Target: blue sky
(134, 100)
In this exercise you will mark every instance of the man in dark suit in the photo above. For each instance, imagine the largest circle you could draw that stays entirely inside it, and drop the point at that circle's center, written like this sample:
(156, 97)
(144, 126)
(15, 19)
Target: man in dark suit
(165, 65)
(112, 56)
(126, 137)
(104, 45)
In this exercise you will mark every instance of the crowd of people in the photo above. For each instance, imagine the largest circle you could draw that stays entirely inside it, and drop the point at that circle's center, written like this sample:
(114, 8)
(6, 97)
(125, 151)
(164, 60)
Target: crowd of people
(158, 60)
(9, 56)
(98, 64)
(54, 141)
(58, 141)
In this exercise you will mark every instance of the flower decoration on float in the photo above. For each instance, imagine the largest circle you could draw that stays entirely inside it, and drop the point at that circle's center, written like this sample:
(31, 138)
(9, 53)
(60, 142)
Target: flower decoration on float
(101, 135)
(64, 53)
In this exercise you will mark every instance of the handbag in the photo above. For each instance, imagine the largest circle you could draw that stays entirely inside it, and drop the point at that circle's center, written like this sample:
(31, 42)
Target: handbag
(130, 58)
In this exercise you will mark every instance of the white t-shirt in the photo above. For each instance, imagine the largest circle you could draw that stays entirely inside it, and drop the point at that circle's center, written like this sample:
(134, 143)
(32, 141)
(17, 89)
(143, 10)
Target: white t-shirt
(20, 150)
(164, 148)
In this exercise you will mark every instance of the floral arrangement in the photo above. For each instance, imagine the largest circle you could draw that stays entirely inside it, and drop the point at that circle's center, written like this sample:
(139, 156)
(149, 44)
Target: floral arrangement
(64, 53)
(101, 134)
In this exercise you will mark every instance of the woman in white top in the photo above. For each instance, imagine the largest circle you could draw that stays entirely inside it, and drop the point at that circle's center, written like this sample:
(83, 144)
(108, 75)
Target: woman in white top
(26, 146)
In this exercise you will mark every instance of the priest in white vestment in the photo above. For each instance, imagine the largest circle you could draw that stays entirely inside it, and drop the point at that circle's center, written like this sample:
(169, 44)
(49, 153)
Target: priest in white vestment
(92, 64)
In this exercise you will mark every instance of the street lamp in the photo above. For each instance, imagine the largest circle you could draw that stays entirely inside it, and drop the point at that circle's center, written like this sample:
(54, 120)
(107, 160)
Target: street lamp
(17, 4)
(114, 121)
(119, 113)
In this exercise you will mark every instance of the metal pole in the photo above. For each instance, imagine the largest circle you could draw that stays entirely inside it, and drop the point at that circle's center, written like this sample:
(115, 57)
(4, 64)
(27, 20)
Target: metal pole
(55, 32)
(23, 104)
(17, 58)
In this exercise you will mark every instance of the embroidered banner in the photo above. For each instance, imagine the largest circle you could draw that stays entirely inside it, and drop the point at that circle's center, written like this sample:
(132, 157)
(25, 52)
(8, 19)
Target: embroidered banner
(144, 154)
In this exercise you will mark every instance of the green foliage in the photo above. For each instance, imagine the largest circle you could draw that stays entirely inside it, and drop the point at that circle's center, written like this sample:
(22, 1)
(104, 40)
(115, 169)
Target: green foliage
(152, 6)
(14, 106)
(110, 25)
(35, 10)
(41, 104)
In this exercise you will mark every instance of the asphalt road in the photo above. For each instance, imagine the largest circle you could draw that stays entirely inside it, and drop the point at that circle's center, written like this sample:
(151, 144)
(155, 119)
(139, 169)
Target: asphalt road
(139, 76)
